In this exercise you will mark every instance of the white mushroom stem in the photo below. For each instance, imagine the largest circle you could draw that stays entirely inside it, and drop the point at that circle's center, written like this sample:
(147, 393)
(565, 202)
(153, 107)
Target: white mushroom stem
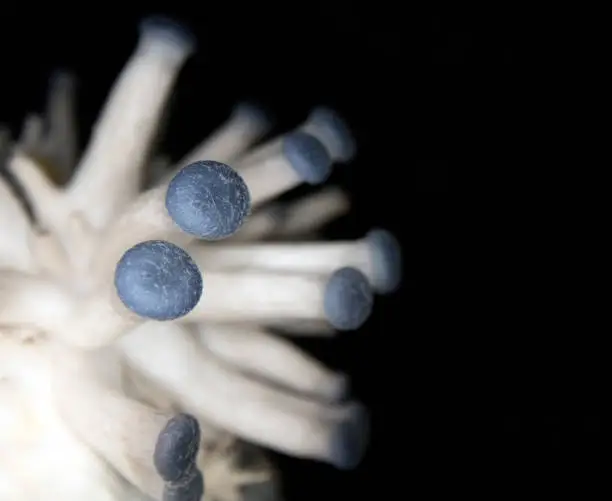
(169, 355)
(260, 353)
(67, 259)
(15, 232)
(32, 132)
(81, 243)
(145, 219)
(122, 431)
(145, 389)
(138, 386)
(259, 297)
(77, 238)
(302, 257)
(109, 174)
(259, 153)
(45, 460)
(310, 213)
(299, 218)
(265, 150)
(32, 302)
(234, 137)
(49, 254)
(259, 225)
(12, 413)
(47, 201)
(99, 320)
(270, 178)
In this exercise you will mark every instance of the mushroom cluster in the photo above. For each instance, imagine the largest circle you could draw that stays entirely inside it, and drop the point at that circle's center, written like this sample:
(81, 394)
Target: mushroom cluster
(140, 301)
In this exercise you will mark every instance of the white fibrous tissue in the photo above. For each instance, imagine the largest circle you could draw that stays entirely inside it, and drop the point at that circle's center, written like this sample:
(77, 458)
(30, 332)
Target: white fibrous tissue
(145, 305)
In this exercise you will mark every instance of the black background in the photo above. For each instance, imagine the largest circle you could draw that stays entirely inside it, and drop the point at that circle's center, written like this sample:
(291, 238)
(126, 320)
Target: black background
(403, 78)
